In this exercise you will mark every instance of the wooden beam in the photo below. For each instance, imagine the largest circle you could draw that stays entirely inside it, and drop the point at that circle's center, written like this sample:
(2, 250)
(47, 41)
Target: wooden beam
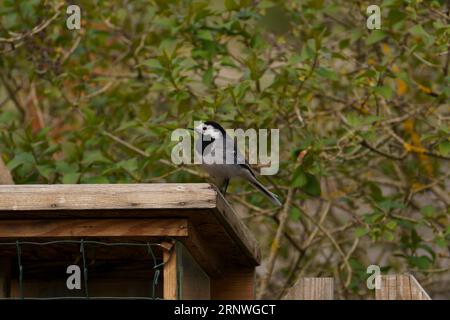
(237, 230)
(15, 229)
(170, 274)
(106, 196)
(400, 287)
(311, 289)
(235, 284)
(203, 254)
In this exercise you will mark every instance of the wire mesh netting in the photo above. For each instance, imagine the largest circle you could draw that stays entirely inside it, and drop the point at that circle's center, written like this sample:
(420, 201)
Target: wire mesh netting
(108, 270)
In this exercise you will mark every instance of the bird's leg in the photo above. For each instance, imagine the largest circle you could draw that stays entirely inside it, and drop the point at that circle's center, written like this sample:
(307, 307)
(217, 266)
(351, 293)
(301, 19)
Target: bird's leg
(225, 186)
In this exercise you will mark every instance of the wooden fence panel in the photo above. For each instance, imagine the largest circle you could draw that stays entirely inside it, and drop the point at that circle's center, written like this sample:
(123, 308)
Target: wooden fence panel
(400, 287)
(311, 289)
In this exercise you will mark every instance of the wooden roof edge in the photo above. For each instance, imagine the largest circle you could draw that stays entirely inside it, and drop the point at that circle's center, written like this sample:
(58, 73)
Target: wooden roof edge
(29, 197)
(153, 196)
(238, 230)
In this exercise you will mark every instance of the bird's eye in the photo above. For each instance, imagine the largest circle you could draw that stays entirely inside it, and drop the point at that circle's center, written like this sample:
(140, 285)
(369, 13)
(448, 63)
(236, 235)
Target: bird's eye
(204, 128)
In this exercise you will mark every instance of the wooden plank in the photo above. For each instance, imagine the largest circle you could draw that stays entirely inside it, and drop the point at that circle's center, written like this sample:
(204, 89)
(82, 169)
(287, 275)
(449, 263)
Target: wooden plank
(400, 287)
(170, 275)
(106, 196)
(5, 277)
(204, 255)
(311, 289)
(235, 284)
(15, 229)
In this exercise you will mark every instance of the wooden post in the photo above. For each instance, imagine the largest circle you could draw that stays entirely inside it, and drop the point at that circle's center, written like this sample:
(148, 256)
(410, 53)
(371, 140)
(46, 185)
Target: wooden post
(113, 228)
(400, 287)
(170, 277)
(311, 289)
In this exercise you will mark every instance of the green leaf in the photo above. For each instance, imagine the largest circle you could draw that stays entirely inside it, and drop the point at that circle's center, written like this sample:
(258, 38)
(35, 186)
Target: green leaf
(422, 262)
(375, 36)
(419, 31)
(312, 187)
(360, 232)
(375, 192)
(94, 157)
(231, 5)
(384, 91)
(71, 177)
(389, 236)
(440, 241)
(208, 76)
(45, 171)
(265, 4)
(130, 165)
(444, 148)
(390, 204)
(428, 211)
(391, 225)
(205, 35)
(299, 180)
(153, 64)
(20, 159)
(96, 179)
(295, 214)
(327, 73)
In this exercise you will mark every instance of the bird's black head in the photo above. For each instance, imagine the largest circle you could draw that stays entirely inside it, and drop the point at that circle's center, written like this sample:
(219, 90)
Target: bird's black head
(215, 125)
(210, 129)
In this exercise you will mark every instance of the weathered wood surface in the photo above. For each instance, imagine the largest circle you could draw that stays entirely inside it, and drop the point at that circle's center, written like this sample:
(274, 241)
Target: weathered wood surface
(170, 275)
(106, 196)
(400, 287)
(206, 209)
(209, 259)
(311, 289)
(111, 228)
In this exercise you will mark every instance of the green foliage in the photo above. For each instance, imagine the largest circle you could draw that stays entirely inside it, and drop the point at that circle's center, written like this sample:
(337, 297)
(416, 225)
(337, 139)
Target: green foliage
(369, 108)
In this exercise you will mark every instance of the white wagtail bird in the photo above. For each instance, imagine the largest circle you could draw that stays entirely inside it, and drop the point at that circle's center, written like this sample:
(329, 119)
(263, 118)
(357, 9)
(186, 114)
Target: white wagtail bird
(212, 140)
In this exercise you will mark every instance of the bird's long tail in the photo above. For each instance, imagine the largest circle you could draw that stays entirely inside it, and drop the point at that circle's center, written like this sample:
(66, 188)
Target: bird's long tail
(269, 195)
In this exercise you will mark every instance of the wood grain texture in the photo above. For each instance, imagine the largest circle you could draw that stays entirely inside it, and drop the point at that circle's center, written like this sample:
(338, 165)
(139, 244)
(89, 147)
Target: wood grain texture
(235, 284)
(400, 287)
(93, 228)
(106, 196)
(210, 214)
(170, 274)
(311, 289)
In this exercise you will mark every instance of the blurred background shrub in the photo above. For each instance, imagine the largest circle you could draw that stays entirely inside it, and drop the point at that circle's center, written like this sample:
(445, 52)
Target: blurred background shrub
(368, 108)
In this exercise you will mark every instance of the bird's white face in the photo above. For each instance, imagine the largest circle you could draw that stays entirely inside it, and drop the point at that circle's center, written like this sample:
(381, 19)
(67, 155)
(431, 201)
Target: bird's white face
(208, 131)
